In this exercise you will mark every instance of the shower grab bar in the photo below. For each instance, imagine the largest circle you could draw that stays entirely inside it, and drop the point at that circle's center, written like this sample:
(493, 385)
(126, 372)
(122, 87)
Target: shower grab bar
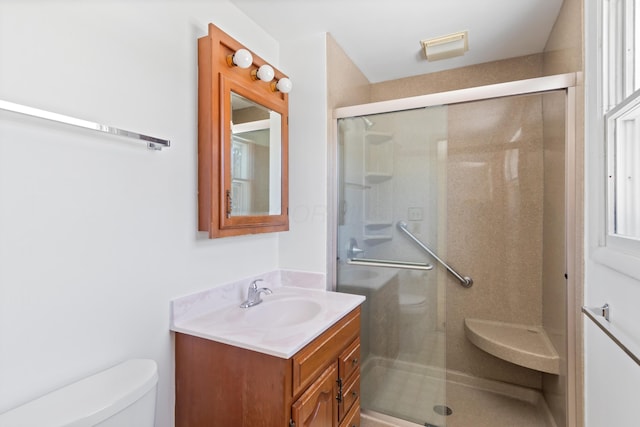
(465, 281)
(153, 143)
(600, 316)
(390, 264)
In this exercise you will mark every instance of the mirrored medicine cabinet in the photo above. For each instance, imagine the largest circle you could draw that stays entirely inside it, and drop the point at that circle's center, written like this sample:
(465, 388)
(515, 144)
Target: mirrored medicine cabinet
(242, 142)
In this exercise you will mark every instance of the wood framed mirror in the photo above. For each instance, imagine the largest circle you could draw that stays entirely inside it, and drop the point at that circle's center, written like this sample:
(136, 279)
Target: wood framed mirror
(242, 143)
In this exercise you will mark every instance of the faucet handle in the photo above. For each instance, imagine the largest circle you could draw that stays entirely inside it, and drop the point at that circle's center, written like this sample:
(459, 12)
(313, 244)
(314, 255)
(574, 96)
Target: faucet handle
(254, 284)
(353, 249)
(253, 294)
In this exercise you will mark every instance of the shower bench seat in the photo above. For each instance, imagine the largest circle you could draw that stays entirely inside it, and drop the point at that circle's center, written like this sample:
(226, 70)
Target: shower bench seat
(523, 345)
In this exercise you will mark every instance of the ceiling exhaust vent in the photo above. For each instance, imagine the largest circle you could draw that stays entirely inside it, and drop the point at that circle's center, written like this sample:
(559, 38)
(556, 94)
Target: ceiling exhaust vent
(445, 47)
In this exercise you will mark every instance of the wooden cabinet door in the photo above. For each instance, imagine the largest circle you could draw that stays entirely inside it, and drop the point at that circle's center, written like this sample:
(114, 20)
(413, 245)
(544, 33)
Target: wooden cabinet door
(318, 406)
(353, 419)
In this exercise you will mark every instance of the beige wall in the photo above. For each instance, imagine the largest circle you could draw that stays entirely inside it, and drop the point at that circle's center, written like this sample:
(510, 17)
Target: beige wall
(563, 52)
(346, 83)
(524, 67)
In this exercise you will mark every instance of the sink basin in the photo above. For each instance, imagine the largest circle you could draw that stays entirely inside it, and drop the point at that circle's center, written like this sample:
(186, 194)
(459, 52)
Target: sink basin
(282, 324)
(282, 312)
(274, 311)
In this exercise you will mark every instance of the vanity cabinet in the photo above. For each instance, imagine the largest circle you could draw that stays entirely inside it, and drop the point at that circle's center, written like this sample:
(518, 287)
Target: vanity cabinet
(223, 385)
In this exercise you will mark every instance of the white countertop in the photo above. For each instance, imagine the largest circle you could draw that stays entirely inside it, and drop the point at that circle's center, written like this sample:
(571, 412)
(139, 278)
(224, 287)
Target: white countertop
(274, 332)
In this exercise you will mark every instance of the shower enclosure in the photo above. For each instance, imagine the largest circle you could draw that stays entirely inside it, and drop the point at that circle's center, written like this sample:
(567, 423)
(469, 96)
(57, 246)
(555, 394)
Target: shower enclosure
(451, 218)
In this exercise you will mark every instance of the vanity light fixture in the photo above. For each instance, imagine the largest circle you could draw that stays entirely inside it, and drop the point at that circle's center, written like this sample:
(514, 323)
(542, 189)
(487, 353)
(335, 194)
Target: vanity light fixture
(241, 58)
(444, 47)
(264, 73)
(283, 85)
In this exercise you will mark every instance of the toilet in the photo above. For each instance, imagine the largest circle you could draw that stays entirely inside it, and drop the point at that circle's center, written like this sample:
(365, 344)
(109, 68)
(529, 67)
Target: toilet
(121, 396)
(412, 304)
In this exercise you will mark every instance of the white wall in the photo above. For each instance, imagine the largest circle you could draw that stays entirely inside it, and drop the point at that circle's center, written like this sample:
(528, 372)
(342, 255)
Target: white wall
(98, 234)
(304, 247)
(612, 379)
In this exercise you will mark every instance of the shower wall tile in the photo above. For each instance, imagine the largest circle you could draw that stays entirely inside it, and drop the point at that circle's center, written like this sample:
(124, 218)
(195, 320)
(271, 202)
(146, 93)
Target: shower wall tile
(524, 67)
(563, 52)
(494, 222)
(347, 85)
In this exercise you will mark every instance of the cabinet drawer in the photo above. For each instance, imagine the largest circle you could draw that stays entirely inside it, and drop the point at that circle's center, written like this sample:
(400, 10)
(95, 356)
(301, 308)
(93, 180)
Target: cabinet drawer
(309, 362)
(350, 395)
(353, 417)
(349, 360)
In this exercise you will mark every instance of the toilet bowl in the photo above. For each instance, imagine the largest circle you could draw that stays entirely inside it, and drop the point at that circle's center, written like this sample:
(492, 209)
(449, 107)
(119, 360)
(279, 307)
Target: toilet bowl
(412, 303)
(122, 396)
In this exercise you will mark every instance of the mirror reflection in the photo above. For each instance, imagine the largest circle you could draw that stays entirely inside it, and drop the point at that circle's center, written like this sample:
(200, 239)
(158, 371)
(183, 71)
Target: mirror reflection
(255, 158)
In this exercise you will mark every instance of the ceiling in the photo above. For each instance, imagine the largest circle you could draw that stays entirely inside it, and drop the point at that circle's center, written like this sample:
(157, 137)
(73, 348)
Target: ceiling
(383, 37)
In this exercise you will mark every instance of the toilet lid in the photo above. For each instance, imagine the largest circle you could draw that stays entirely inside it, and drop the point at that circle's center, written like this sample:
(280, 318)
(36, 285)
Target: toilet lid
(412, 299)
(89, 401)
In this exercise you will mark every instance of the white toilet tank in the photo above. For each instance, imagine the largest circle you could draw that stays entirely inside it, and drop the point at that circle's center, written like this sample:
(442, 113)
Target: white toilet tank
(122, 396)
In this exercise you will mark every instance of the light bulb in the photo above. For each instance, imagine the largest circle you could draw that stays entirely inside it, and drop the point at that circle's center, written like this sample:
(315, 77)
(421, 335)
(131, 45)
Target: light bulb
(265, 73)
(284, 85)
(242, 58)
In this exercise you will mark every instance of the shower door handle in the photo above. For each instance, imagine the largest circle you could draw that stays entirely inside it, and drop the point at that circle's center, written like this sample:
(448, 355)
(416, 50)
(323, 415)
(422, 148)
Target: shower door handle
(389, 264)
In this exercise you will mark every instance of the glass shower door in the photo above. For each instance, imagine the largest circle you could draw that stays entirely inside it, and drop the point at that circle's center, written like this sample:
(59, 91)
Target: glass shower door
(392, 169)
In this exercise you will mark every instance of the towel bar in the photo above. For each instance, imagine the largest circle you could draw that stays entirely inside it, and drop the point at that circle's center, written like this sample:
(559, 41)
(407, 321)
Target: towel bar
(153, 143)
(600, 316)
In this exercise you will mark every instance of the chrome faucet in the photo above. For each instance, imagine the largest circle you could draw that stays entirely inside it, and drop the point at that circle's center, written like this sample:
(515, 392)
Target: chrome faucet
(253, 295)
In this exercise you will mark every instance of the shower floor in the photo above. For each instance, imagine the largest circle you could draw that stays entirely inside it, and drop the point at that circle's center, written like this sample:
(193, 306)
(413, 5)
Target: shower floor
(396, 387)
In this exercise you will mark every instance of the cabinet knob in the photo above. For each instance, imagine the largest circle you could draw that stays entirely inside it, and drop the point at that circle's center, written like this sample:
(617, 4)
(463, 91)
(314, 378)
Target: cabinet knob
(354, 394)
(355, 361)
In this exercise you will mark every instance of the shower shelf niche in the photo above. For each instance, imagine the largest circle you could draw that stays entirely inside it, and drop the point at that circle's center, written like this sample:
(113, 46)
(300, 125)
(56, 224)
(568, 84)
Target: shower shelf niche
(371, 225)
(378, 178)
(373, 137)
(377, 239)
(378, 155)
(377, 231)
(523, 345)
